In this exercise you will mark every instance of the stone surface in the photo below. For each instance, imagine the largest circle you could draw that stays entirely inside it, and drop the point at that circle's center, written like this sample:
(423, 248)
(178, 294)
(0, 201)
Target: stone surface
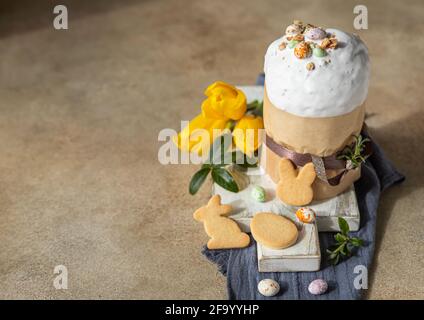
(81, 109)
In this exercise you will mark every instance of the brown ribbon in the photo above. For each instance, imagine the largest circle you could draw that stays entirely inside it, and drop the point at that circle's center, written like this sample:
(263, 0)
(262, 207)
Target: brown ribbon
(300, 159)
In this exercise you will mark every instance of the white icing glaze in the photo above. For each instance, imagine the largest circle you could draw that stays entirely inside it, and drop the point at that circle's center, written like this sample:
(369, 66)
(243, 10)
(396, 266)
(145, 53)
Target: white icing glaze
(332, 89)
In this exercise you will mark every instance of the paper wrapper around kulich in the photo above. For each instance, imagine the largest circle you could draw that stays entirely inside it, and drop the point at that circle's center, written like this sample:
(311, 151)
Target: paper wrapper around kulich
(318, 136)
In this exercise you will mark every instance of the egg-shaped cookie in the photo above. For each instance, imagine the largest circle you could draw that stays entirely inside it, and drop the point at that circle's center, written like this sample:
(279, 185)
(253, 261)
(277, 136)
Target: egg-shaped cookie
(273, 231)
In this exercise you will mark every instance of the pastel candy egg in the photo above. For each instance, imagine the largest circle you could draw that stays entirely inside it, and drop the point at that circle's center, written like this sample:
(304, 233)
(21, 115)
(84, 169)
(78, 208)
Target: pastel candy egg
(318, 286)
(302, 50)
(315, 33)
(258, 193)
(293, 30)
(319, 52)
(306, 215)
(292, 43)
(268, 287)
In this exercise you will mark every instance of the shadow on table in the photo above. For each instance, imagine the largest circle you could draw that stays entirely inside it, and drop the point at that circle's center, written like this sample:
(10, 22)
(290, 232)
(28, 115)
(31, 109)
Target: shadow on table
(402, 142)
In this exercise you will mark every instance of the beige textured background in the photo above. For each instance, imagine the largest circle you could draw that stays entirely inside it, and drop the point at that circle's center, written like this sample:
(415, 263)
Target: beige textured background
(80, 111)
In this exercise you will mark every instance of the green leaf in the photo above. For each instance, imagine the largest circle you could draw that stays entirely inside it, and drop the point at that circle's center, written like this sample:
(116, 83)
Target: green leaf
(344, 250)
(337, 250)
(356, 242)
(252, 105)
(340, 238)
(344, 244)
(332, 248)
(344, 226)
(223, 178)
(255, 107)
(333, 255)
(198, 179)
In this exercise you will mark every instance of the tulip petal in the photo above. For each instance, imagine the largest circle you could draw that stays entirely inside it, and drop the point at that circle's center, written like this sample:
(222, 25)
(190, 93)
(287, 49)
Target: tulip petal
(238, 107)
(198, 135)
(209, 112)
(246, 134)
(210, 90)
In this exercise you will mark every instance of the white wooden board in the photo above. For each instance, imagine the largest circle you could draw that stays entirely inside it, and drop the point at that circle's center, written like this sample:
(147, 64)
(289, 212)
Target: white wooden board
(252, 92)
(304, 255)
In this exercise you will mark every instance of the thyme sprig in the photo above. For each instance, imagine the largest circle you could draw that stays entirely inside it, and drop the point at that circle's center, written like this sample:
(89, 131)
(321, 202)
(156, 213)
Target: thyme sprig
(344, 243)
(354, 155)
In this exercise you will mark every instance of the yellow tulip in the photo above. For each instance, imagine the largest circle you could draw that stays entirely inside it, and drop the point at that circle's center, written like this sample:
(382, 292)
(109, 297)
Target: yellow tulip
(246, 134)
(198, 135)
(224, 101)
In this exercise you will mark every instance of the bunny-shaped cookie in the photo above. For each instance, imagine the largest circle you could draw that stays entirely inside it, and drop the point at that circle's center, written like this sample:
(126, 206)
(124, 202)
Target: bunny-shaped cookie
(224, 232)
(295, 186)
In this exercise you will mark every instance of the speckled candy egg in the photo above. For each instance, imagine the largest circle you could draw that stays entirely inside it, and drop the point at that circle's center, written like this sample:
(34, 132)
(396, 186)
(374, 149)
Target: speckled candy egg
(293, 30)
(302, 50)
(258, 193)
(292, 43)
(319, 52)
(315, 34)
(306, 215)
(268, 287)
(318, 286)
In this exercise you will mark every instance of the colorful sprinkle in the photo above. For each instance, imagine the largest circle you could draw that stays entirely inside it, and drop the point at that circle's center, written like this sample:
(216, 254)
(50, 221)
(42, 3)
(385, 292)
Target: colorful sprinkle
(302, 50)
(306, 215)
(329, 43)
(315, 34)
(292, 43)
(293, 30)
(319, 52)
(258, 193)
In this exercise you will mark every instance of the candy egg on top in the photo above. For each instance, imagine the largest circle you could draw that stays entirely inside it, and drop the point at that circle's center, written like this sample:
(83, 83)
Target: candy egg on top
(319, 52)
(302, 50)
(305, 214)
(293, 30)
(315, 34)
(292, 43)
